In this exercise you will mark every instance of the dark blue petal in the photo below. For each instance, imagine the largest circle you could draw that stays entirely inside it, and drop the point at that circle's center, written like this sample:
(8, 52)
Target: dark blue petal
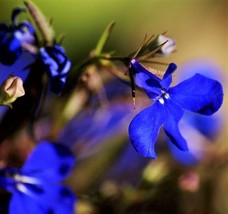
(65, 202)
(144, 128)
(57, 65)
(21, 204)
(198, 94)
(145, 79)
(173, 114)
(56, 200)
(3, 29)
(49, 160)
(7, 183)
(28, 25)
(14, 45)
(167, 78)
(10, 48)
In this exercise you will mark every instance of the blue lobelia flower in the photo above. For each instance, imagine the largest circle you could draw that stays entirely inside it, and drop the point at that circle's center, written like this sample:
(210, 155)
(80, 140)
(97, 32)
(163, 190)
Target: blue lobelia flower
(197, 94)
(36, 187)
(13, 36)
(57, 65)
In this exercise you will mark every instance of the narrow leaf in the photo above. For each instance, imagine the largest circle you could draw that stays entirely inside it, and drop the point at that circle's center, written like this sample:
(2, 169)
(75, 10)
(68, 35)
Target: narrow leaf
(140, 48)
(151, 53)
(42, 23)
(103, 39)
(15, 13)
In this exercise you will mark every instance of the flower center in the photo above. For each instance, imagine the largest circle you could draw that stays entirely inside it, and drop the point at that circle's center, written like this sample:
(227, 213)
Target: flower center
(164, 95)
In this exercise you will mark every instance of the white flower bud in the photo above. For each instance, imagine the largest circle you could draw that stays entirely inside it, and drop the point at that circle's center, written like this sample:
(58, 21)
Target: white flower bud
(167, 48)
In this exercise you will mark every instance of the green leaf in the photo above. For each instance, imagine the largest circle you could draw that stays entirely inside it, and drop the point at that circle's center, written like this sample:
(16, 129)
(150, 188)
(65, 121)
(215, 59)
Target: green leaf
(103, 39)
(42, 23)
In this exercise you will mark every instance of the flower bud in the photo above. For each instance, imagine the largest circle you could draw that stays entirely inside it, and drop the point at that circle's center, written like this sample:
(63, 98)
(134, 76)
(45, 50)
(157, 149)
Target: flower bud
(10, 90)
(167, 48)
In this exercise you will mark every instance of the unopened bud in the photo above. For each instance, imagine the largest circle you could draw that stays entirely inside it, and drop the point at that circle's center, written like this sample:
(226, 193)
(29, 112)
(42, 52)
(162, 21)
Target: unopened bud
(10, 90)
(167, 48)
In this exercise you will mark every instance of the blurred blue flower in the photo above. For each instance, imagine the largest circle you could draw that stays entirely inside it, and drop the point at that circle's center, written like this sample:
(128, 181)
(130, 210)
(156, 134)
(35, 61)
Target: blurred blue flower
(199, 130)
(57, 65)
(208, 126)
(196, 143)
(35, 187)
(12, 38)
(197, 94)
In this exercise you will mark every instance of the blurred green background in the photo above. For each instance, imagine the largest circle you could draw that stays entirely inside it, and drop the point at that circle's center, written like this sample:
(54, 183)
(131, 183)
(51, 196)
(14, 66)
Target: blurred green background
(198, 26)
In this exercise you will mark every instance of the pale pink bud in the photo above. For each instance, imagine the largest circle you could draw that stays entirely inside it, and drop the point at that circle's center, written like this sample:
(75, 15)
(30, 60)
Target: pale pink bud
(10, 90)
(190, 181)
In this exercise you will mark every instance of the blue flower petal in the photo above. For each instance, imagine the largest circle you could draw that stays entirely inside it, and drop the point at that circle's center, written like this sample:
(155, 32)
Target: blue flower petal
(167, 78)
(27, 25)
(21, 204)
(144, 128)
(173, 114)
(6, 181)
(198, 94)
(10, 48)
(49, 160)
(57, 65)
(186, 158)
(61, 200)
(3, 29)
(65, 202)
(145, 79)
(56, 199)
(208, 126)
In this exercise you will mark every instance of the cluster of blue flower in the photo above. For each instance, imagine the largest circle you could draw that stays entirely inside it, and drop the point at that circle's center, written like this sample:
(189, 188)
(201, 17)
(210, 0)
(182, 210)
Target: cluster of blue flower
(18, 37)
(37, 181)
